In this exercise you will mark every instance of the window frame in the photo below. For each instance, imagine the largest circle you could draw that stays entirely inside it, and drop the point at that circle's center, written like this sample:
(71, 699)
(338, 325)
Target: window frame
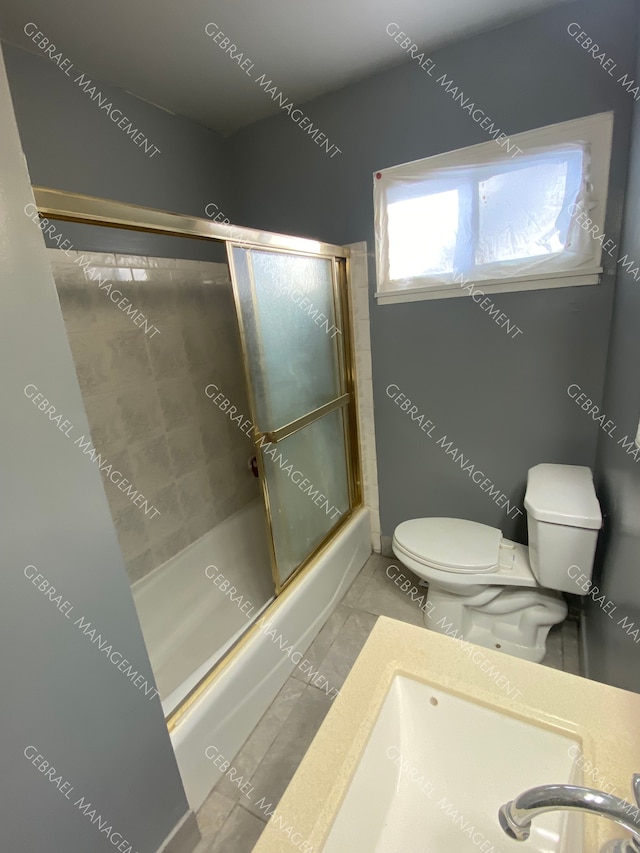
(594, 130)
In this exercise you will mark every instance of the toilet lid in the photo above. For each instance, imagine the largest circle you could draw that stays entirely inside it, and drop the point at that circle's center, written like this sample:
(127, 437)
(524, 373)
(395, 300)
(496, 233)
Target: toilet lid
(452, 544)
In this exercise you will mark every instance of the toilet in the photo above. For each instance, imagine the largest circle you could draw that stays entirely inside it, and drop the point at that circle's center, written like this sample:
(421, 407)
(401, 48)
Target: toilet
(500, 594)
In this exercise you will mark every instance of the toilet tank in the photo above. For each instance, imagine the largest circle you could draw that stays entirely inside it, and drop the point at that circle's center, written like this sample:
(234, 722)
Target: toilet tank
(563, 520)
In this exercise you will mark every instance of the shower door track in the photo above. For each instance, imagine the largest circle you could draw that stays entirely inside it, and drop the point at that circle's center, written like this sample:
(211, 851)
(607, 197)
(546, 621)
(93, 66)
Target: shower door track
(92, 210)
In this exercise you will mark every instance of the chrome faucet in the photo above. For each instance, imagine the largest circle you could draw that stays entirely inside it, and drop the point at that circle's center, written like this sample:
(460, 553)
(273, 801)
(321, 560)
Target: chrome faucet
(515, 817)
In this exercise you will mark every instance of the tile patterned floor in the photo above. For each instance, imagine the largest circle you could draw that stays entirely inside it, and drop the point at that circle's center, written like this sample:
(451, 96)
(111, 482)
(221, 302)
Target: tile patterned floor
(231, 822)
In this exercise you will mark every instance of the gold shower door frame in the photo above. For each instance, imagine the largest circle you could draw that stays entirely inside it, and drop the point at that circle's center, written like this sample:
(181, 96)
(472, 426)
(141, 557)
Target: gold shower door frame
(341, 402)
(91, 210)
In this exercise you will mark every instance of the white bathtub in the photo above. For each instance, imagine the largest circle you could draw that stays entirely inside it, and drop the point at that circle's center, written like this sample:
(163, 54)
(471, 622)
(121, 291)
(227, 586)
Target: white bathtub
(187, 621)
(227, 712)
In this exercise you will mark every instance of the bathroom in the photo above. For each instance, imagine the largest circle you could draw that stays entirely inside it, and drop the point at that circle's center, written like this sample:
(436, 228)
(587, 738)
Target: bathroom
(435, 392)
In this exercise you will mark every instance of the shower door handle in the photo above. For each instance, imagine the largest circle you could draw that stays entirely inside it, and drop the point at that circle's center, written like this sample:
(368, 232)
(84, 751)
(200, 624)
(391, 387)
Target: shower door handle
(288, 429)
(261, 437)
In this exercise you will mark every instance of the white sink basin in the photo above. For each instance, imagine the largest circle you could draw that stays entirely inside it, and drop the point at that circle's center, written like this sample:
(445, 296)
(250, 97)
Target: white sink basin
(436, 770)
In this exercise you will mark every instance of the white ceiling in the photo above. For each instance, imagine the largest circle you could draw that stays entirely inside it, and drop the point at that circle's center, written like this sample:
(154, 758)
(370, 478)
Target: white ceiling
(158, 50)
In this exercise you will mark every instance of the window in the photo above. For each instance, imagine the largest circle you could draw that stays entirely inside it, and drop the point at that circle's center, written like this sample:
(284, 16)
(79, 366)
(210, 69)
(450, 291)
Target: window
(508, 222)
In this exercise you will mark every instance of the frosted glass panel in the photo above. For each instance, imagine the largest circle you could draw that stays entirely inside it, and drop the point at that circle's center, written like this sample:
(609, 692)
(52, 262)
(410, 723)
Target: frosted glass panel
(291, 333)
(306, 477)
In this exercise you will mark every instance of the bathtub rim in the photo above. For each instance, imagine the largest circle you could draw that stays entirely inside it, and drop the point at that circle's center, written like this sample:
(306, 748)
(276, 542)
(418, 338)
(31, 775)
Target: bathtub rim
(183, 708)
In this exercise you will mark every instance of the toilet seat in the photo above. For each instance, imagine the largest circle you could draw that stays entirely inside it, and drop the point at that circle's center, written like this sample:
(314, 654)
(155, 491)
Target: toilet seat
(450, 544)
(430, 546)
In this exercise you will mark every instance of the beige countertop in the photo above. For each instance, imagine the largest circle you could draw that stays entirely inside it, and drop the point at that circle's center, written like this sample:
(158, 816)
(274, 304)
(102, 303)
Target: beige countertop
(604, 719)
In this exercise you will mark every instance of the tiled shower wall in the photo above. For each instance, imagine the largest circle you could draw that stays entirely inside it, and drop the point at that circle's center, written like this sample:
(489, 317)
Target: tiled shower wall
(359, 293)
(144, 394)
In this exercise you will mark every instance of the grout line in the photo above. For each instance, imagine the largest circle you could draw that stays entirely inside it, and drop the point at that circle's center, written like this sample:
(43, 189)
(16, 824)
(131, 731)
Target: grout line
(262, 819)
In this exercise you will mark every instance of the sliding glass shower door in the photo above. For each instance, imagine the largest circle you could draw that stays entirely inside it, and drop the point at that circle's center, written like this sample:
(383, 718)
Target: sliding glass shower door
(292, 311)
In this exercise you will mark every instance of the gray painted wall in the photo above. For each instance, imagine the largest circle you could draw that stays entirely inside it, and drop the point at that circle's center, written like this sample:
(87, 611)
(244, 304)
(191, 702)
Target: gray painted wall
(71, 144)
(614, 655)
(502, 400)
(60, 693)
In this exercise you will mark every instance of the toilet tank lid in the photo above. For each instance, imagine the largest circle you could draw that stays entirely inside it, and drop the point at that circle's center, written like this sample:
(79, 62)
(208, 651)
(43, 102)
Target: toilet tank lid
(450, 543)
(563, 494)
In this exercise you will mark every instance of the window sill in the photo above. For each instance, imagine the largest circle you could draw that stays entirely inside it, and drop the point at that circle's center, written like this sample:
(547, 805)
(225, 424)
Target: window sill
(487, 288)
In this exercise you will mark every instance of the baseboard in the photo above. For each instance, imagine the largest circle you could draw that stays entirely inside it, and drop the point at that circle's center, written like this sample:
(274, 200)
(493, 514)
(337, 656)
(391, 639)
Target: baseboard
(185, 836)
(584, 647)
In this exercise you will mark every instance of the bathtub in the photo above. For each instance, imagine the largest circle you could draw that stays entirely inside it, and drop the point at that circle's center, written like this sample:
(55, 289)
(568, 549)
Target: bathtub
(188, 622)
(227, 712)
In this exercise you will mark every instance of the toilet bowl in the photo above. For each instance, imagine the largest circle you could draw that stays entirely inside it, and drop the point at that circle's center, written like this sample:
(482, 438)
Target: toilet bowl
(497, 593)
(481, 585)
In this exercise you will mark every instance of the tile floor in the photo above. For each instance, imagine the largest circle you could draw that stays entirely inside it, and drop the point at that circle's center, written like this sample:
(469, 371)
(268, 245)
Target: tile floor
(231, 822)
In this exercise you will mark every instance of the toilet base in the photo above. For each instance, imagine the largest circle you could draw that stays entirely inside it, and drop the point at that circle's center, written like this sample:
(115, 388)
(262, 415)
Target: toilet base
(513, 620)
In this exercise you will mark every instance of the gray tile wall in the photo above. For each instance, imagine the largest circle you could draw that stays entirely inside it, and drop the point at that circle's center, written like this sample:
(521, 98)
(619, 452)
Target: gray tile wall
(144, 395)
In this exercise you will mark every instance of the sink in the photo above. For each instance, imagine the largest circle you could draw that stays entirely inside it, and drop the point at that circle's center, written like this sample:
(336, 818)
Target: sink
(435, 771)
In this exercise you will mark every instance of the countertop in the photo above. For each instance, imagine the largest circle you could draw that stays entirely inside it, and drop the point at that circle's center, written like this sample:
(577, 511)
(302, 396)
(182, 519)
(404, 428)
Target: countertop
(606, 720)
